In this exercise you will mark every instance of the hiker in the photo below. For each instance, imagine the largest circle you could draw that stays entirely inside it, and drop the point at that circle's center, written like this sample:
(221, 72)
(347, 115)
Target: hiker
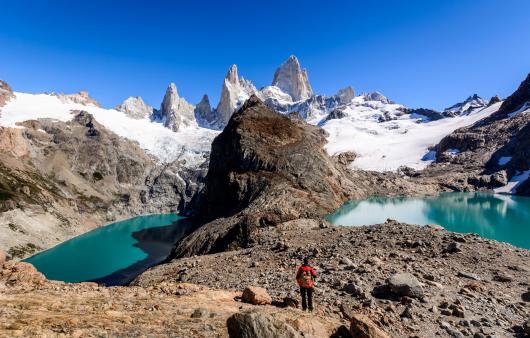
(305, 277)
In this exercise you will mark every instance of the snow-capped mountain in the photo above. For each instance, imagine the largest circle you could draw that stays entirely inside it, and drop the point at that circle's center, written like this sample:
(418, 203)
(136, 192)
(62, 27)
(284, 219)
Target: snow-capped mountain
(135, 108)
(384, 135)
(293, 80)
(234, 93)
(471, 103)
(175, 112)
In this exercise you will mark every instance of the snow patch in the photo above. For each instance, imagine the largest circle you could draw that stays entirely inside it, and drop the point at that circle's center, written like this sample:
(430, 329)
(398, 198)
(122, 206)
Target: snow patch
(398, 141)
(517, 180)
(524, 107)
(504, 160)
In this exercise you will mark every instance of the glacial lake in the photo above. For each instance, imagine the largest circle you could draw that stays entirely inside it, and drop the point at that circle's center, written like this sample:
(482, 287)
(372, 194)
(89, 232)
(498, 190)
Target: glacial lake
(504, 218)
(113, 254)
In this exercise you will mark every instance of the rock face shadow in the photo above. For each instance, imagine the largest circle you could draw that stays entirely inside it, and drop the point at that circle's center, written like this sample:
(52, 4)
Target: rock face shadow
(157, 243)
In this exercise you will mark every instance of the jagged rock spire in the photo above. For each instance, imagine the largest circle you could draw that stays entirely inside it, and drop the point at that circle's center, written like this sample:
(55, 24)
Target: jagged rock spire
(175, 111)
(234, 92)
(292, 79)
(345, 95)
(203, 112)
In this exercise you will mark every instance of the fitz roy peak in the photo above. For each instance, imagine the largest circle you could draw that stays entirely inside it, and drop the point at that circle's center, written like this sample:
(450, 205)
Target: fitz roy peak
(292, 79)
(175, 111)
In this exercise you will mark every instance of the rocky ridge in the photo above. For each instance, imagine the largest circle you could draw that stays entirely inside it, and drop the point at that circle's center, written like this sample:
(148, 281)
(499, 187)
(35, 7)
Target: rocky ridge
(490, 145)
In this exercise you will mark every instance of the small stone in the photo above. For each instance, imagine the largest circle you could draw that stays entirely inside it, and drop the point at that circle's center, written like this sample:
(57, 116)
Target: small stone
(200, 313)
(503, 278)
(468, 275)
(353, 289)
(453, 247)
(256, 296)
(405, 284)
(407, 313)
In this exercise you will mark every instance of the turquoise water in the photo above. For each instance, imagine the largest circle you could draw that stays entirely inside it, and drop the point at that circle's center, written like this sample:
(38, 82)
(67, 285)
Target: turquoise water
(501, 217)
(113, 254)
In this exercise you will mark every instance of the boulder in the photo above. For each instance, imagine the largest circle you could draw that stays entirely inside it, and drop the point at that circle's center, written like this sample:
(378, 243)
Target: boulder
(256, 296)
(255, 324)
(363, 327)
(404, 284)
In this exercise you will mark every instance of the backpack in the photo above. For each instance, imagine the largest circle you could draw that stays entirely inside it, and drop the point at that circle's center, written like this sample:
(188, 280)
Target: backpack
(306, 278)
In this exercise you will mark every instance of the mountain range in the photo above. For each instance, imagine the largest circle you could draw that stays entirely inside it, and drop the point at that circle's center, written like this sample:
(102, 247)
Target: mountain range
(69, 164)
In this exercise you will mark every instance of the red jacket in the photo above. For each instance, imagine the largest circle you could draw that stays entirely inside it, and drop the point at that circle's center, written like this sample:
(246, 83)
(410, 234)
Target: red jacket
(305, 277)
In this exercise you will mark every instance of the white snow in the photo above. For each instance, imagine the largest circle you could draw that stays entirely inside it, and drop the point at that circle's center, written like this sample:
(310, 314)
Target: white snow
(385, 146)
(524, 107)
(189, 143)
(453, 151)
(504, 160)
(511, 187)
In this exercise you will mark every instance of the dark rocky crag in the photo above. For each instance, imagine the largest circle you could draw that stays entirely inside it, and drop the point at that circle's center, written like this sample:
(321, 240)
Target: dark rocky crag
(267, 168)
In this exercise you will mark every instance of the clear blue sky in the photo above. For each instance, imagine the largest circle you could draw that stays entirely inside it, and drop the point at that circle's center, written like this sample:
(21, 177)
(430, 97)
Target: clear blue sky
(417, 52)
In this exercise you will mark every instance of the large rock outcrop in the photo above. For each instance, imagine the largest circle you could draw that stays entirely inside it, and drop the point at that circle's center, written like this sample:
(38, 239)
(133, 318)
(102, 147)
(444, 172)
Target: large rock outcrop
(265, 168)
(293, 80)
(175, 112)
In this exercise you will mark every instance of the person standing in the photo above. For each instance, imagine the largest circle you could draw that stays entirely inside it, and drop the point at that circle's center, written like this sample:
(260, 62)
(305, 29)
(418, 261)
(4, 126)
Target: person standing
(305, 277)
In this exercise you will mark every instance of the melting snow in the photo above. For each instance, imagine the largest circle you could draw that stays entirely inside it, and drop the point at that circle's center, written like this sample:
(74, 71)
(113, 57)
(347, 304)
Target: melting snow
(189, 143)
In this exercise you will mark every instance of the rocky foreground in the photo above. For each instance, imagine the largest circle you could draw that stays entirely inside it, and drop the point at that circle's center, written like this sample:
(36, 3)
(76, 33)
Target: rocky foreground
(388, 280)
(448, 284)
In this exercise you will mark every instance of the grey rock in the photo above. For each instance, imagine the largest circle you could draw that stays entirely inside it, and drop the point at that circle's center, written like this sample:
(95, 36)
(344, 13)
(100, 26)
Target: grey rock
(468, 275)
(404, 284)
(255, 324)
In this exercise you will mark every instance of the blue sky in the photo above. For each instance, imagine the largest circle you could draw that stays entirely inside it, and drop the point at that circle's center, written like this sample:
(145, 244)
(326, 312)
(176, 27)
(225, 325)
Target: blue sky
(419, 53)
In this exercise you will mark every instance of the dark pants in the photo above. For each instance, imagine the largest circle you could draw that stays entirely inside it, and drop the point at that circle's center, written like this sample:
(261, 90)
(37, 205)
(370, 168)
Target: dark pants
(307, 298)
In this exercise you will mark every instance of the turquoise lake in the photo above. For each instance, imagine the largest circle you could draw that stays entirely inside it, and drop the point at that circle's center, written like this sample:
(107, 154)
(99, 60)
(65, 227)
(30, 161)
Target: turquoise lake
(503, 218)
(113, 254)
